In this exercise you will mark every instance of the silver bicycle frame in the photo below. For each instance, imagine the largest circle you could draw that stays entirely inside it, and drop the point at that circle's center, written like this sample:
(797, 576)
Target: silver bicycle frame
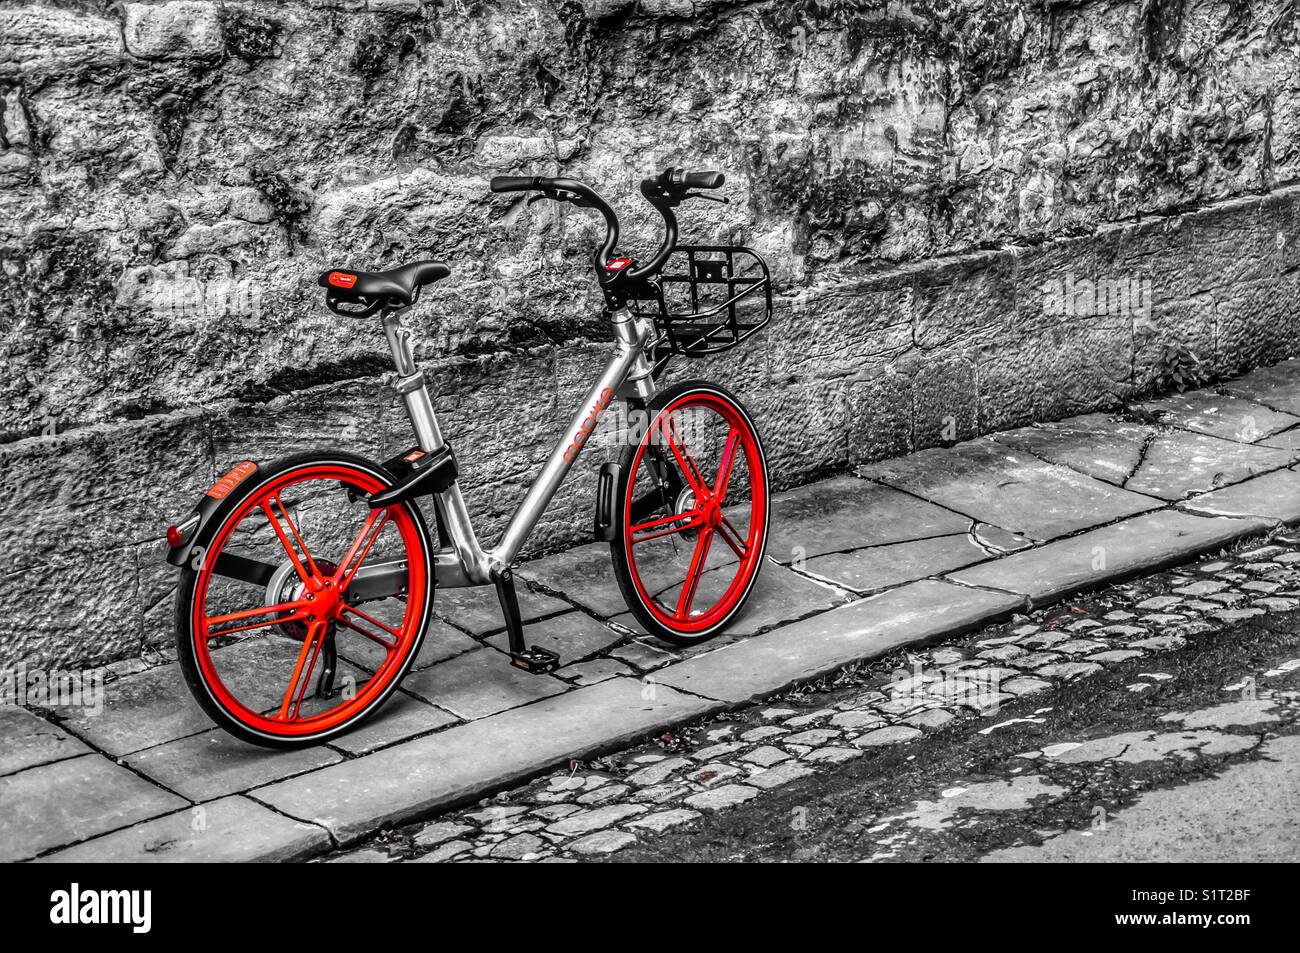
(464, 562)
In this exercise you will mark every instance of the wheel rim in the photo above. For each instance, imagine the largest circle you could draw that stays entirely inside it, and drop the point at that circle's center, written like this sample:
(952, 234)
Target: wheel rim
(260, 649)
(693, 546)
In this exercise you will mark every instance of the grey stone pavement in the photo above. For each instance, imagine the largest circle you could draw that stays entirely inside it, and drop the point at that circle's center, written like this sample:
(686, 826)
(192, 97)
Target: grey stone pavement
(902, 553)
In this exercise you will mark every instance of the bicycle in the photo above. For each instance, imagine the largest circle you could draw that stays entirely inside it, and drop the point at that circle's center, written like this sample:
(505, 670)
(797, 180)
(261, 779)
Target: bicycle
(684, 509)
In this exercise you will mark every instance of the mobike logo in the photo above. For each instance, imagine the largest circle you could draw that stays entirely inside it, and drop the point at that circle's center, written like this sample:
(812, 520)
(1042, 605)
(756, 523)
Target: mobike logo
(588, 424)
(221, 489)
(341, 279)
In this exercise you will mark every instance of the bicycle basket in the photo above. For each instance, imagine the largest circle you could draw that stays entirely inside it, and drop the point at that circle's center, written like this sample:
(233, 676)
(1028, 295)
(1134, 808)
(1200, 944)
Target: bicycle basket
(707, 298)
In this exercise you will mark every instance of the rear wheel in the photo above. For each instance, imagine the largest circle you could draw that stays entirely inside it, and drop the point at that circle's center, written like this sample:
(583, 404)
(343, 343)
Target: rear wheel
(692, 514)
(305, 608)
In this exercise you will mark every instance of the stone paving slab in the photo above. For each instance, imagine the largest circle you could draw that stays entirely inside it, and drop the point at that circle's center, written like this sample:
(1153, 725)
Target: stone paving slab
(480, 683)
(1181, 463)
(847, 513)
(1148, 542)
(1221, 415)
(213, 764)
(140, 711)
(1139, 457)
(780, 596)
(584, 574)
(1099, 445)
(441, 642)
(911, 614)
(56, 804)
(231, 830)
(155, 706)
(883, 567)
(1274, 496)
(1277, 386)
(1287, 440)
(596, 670)
(477, 610)
(403, 716)
(27, 740)
(574, 635)
(357, 796)
(1009, 488)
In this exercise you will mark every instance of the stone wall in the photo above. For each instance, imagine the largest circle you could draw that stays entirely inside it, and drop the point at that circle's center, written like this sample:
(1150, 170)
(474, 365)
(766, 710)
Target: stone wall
(979, 214)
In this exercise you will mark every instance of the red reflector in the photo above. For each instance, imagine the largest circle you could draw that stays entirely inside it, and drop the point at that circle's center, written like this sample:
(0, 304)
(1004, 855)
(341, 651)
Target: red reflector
(618, 264)
(231, 480)
(173, 536)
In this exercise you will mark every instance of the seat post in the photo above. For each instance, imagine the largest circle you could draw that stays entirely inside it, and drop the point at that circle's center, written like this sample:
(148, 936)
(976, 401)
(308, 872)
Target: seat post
(399, 341)
(410, 384)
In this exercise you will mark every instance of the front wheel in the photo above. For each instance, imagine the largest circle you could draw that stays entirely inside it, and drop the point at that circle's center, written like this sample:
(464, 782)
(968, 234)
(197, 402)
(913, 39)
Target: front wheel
(692, 512)
(305, 609)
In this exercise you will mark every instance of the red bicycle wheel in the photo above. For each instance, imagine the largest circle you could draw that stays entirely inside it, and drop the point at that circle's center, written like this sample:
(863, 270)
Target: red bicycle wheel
(692, 514)
(303, 612)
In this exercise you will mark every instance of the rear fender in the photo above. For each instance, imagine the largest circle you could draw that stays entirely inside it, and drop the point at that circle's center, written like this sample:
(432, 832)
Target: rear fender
(195, 530)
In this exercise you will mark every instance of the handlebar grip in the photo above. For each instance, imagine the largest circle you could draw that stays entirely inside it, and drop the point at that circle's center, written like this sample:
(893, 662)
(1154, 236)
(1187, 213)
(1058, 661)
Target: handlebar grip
(513, 183)
(700, 180)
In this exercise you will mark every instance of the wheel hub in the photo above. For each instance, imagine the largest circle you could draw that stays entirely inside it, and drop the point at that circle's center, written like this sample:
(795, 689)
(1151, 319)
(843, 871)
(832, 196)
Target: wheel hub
(326, 602)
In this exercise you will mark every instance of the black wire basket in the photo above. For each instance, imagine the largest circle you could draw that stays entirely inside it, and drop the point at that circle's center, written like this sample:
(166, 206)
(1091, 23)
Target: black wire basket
(706, 299)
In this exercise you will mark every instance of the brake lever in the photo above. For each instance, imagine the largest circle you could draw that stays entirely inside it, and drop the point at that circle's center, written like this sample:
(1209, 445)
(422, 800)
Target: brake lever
(561, 195)
(704, 195)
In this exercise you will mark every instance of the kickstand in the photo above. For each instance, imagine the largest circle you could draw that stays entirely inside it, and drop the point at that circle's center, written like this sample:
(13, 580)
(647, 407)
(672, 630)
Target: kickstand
(329, 665)
(536, 660)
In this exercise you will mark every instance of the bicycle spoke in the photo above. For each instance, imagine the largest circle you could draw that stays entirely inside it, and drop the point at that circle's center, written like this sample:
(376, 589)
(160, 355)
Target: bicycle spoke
(684, 461)
(691, 516)
(693, 574)
(297, 610)
(311, 667)
(313, 636)
(369, 533)
(373, 621)
(284, 539)
(732, 538)
(387, 646)
(724, 468)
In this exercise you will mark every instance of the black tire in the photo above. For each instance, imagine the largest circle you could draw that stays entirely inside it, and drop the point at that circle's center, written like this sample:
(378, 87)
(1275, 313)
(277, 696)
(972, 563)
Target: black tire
(186, 651)
(623, 570)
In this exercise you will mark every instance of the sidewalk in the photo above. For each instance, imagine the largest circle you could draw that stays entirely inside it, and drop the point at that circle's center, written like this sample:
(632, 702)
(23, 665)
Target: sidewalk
(903, 552)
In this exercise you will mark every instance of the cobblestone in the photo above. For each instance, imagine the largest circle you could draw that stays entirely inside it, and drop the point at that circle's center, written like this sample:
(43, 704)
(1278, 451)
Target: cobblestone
(661, 821)
(729, 795)
(603, 842)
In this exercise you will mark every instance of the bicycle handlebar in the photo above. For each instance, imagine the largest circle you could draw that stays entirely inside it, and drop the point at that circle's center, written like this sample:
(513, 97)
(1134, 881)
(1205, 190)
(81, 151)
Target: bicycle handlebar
(513, 183)
(566, 190)
(695, 180)
(664, 191)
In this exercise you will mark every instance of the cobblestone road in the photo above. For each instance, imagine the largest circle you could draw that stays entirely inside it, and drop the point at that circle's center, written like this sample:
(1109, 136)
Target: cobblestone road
(654, 799)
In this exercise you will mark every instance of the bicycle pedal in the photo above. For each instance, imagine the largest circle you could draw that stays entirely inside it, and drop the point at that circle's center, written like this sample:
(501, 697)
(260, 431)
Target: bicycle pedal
(535, 660)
